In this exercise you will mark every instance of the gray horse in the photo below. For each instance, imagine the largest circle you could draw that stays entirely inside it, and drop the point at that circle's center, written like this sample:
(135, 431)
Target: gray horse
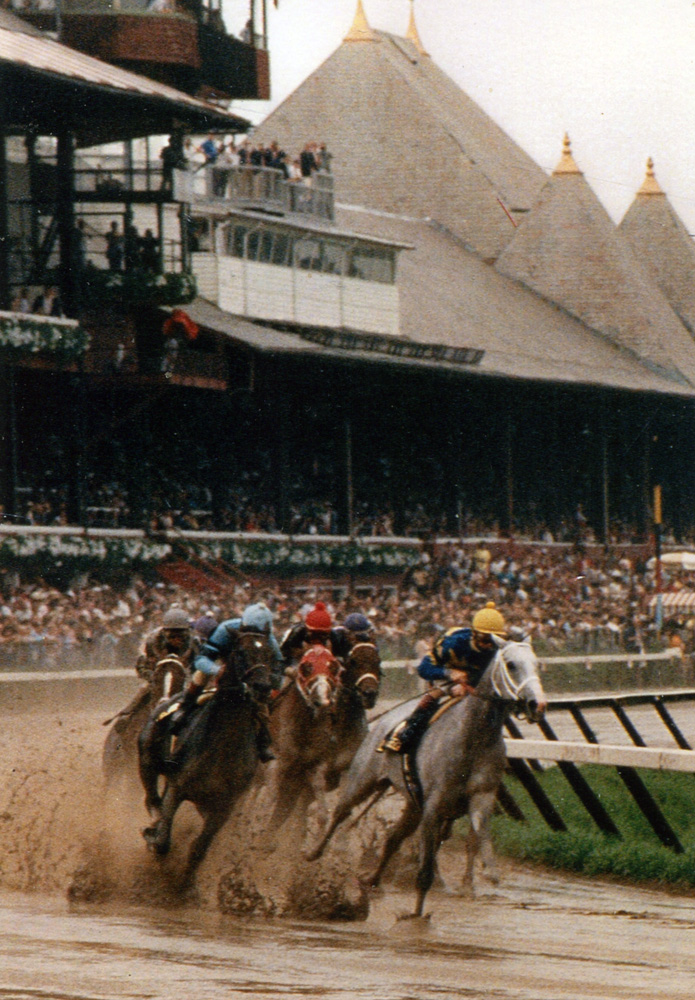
(460, 762)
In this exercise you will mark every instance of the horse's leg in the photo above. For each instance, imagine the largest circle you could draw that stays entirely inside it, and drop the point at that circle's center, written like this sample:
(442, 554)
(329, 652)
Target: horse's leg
(212, 823)
(478, 840)
(407, 824)
(353, 796)
(289, 786)
(158, 836)
(149, 766)
(430, 839)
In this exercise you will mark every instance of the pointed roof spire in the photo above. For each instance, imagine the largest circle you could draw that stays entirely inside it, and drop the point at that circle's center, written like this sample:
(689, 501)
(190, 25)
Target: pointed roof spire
(650, 185)
(360, 30)
(412, 33)
(566, 164)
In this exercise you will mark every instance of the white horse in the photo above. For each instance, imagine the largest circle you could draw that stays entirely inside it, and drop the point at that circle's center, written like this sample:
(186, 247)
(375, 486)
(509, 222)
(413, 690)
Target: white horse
(460, 763)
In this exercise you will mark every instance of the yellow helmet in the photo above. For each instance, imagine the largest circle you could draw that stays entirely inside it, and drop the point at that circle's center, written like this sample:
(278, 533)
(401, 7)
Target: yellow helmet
(489, 620)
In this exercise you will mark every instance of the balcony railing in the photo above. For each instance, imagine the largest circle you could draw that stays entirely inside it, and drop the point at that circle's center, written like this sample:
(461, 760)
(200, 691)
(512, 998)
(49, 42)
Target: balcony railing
(263, 189)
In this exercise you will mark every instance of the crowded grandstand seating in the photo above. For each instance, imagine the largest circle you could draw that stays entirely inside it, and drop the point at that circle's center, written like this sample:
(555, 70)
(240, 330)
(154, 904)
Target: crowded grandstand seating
(570, 600)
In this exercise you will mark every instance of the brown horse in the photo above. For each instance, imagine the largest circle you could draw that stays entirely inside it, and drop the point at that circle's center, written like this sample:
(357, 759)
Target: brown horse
(302, 730)
(314, 745)
(215, 757)
(120, 753)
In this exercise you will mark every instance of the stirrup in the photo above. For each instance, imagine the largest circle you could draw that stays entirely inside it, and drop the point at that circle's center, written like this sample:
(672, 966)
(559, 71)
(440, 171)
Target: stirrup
(393, 740)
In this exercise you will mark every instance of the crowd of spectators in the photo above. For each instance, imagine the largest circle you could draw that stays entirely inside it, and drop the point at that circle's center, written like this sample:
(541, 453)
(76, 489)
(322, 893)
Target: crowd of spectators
(568, 600)
(175, 503)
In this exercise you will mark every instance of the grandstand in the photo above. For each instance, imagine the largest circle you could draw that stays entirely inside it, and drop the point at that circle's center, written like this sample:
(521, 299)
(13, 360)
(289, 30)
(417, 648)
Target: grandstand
(432, 324)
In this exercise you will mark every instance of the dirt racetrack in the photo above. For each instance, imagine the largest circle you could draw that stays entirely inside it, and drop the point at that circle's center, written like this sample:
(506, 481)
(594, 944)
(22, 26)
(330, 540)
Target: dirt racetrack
(85, 911)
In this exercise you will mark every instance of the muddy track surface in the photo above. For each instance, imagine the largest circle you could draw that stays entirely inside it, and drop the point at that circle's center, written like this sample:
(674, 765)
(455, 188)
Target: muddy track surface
(85, 911)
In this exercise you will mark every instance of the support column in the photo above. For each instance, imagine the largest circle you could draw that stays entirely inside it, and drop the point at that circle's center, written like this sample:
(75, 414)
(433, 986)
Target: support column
(5, 292)
(645, 479)
(350, 500)
(605, 485)
(509, 472)
(65, 215)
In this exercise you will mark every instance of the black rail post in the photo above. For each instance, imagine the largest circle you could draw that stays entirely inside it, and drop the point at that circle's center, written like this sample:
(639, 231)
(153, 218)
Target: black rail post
(634, 784)
(627, 724)
(670, 723)
(509, 804)
(581, 787)
(526, 777)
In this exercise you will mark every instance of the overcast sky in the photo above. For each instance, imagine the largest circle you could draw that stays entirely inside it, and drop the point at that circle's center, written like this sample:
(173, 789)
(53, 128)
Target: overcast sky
(617, 75)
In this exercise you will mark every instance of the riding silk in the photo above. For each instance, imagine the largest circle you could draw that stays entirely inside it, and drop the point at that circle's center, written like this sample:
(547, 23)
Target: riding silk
(455, 650)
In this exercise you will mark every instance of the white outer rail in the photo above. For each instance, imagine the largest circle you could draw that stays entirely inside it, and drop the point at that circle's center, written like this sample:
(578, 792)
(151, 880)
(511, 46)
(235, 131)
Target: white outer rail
(652, 758)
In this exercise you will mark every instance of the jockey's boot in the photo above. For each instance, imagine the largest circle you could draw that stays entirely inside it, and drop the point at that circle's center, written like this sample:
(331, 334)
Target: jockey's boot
(190, 697)
(409, 737)
(264, 743)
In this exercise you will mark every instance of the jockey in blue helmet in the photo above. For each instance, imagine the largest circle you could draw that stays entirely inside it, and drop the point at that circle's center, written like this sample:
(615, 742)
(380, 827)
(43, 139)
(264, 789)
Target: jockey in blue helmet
(257, 618)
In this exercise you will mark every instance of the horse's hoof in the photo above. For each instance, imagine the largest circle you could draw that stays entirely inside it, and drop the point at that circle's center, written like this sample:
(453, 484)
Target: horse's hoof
(415, 919)
(313, 855)
(154, 840)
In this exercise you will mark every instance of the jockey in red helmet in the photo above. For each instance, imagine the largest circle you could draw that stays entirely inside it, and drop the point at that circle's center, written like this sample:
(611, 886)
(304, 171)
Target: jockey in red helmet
(315, 630)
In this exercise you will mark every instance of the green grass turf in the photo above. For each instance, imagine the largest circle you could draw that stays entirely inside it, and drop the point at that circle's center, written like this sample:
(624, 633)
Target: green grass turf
(637, 854)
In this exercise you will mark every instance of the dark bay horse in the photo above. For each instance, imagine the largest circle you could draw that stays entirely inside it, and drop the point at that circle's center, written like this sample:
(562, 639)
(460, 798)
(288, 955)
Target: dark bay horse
(315, 745)
(120, 753)
(358, 690)
(215, 756)
(460, 763)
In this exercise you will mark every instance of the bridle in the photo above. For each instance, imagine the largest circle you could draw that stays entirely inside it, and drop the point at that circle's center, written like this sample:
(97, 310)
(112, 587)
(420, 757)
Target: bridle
(240, 657)
(504, 686)
(367, 674)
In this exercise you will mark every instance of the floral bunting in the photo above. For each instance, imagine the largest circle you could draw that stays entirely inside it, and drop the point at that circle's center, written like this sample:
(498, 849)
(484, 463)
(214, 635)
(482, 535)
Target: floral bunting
(23, 334)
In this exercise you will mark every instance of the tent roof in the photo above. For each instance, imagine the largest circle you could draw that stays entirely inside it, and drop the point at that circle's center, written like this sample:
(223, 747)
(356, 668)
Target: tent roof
(659, 238)
(569, 251)
(405, 139)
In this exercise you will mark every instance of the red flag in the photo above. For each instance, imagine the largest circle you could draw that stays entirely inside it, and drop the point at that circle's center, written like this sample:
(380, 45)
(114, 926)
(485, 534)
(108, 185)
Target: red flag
(180, 323)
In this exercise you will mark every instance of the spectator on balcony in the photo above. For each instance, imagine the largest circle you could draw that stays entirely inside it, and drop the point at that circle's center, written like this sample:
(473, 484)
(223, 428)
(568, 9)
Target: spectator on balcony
(114, 248)
(227, 158)
(48, 303)
(131, 247)
(20, 303)
(323, 159)
(308, 162)
(294, 170)
(149, 252)
(210, 150)
(173, 158)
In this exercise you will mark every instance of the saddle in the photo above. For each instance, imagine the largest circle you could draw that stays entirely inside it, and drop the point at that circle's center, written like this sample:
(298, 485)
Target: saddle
(391, 741)
(392, 744)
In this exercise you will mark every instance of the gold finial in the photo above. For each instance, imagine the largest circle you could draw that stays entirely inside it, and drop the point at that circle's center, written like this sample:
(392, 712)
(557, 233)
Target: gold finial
(360, 30)
(650, 185)
(566, 164)
(412, 33)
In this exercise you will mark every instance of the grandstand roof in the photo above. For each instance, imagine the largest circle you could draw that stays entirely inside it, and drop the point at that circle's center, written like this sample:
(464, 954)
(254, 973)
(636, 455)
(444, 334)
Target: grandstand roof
(406, 139)
(449, 297)
(659, 238)
(569, 251)
(45, 83)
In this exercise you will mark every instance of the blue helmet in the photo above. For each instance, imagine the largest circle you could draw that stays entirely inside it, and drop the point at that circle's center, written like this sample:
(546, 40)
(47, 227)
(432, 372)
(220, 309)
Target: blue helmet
(257, 616)
(357, 622)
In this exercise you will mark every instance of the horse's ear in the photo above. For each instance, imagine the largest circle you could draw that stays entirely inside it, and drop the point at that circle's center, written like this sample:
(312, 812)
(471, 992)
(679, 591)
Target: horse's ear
(498, 640)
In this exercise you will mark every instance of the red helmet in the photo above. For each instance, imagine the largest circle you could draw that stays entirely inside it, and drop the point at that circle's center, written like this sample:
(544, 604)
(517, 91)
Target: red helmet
(318, 619)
